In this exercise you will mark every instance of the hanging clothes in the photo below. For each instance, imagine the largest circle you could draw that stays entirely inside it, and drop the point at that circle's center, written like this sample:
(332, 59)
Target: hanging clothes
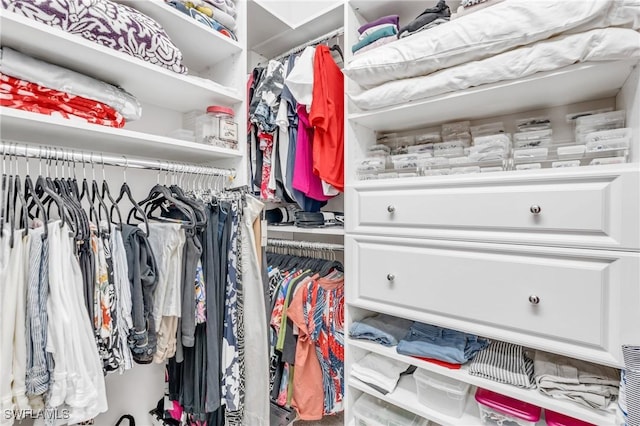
(306, 335)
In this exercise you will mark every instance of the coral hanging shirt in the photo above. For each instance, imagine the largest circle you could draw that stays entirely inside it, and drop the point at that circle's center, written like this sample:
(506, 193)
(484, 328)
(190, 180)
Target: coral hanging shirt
(327, 115)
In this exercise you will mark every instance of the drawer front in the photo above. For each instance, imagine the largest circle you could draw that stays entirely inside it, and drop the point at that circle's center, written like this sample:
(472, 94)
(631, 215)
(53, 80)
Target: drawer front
(574, 210)
(572, 297)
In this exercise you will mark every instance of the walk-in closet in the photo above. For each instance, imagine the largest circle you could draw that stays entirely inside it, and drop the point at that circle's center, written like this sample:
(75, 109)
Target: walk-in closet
(319, 212)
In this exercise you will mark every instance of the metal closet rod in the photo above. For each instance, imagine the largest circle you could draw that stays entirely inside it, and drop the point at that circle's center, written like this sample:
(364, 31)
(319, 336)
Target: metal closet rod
(15, 149)
(274, 242)
(326, 37)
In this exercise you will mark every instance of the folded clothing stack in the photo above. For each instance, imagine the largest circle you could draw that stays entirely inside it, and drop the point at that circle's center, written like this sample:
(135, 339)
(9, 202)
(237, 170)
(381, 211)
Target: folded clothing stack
(217, 14)
(430, 18)
(23, 67)
(27, 96)
(505, 363)
(378, 371)
(380, 328)
(592, 385)
(377, 33)
(440, 344)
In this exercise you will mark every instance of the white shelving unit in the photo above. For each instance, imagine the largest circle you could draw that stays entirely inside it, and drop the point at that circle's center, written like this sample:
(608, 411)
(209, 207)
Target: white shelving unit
(531, 396)
(149, 83)
(36, 129)
(378, 283)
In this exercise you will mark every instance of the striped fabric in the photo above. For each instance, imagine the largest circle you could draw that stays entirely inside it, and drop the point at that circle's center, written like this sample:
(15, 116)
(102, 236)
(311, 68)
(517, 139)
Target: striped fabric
(37, 378)
(505, 363)
(632, 383)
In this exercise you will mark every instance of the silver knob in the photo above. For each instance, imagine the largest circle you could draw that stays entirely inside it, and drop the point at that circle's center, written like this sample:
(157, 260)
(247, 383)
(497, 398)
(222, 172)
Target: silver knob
(391, 209)
(391, 277)
(535, 209)
(534, 300)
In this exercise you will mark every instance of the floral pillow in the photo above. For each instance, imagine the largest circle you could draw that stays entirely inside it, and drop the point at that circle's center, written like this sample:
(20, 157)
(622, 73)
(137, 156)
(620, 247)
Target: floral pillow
(107, 23)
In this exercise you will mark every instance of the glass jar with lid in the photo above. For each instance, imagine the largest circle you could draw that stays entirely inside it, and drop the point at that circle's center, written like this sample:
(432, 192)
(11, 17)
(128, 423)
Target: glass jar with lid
(217, 127)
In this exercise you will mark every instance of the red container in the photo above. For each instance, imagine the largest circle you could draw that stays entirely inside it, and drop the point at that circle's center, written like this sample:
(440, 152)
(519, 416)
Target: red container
(557, 419)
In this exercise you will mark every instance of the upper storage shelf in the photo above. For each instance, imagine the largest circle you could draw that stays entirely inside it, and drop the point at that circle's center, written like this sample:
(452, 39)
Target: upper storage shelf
(278, 26)
(201, 46)
(569, 85)
(149, 83)
(36, 128)
(407, 9)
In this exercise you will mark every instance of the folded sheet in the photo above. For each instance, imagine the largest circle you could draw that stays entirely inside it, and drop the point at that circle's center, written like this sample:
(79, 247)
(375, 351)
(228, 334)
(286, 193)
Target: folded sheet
(379, 370)
(588, 384)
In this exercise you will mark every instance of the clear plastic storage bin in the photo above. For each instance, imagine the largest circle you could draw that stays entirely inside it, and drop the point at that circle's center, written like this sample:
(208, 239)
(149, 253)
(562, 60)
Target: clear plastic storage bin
(448, 396)
(370, 411)
(502, 410)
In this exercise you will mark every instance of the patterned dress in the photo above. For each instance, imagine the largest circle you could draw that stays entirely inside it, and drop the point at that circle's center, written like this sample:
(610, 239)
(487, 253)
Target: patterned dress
(324, 312)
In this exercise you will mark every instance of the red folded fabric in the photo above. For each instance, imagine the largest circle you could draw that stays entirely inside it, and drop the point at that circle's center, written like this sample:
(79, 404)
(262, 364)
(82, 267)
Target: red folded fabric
(440, 363)
(27, 96)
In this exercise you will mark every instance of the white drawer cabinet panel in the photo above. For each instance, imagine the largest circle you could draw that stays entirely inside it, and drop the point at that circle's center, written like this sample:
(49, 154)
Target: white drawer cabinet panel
(565, 209)
(581, 302)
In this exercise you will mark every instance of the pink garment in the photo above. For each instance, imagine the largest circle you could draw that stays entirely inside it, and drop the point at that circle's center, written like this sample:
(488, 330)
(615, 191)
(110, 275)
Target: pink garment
(304, 179)
(380, 42)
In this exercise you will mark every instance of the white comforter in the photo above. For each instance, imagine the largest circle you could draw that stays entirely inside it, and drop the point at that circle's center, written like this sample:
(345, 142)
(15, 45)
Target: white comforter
(487, 32)
(558, 52)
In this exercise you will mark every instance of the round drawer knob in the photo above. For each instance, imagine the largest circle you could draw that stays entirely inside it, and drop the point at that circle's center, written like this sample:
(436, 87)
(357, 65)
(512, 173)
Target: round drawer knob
(535, 209)
(534, 300)
(391, 209)
(391, 277)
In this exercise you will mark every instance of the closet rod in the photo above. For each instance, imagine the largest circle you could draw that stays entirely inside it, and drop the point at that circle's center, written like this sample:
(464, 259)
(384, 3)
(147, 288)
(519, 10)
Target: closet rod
(16, 149)
(326, 37)
(304, 245)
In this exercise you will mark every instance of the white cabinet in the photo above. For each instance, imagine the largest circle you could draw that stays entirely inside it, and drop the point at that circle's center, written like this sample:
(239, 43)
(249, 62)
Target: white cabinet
(548, 259)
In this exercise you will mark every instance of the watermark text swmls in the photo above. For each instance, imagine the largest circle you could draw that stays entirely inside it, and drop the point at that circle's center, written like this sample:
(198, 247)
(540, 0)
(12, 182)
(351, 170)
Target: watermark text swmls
(46, 414)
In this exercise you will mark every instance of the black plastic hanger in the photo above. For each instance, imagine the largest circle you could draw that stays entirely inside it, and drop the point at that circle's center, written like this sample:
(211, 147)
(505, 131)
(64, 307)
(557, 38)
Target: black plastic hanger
(336, 48)
(125, 190)
(106, 192)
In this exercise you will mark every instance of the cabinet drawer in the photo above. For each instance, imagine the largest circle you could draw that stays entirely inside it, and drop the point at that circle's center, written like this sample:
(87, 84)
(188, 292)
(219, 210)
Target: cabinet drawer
(579, 300)
(562, 209)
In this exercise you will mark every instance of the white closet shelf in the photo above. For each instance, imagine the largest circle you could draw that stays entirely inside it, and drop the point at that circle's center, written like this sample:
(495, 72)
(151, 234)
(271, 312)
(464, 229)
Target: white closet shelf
(201, 46)
(38, 129)
(295, 230)
(407, 9)
(149, 83)
(405, 396)
(569, 85)
(531, 396)
(272, 35)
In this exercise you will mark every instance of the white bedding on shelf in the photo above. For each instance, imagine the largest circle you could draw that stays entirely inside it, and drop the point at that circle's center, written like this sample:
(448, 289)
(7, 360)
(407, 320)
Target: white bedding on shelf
(595, 45)
(487, 32)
